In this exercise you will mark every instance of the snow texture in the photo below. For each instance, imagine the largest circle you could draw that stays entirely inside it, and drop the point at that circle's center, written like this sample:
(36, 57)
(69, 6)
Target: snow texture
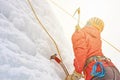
(25, 48)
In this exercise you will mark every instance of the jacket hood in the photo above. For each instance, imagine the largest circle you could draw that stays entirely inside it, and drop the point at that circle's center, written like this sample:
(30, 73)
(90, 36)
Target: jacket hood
(92, 31)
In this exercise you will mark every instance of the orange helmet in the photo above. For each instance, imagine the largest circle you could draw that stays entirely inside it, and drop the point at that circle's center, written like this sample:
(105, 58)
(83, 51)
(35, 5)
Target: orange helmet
(96, 22)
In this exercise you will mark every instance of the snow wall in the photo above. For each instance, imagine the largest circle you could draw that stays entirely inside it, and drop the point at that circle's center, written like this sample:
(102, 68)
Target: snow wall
(25, 48)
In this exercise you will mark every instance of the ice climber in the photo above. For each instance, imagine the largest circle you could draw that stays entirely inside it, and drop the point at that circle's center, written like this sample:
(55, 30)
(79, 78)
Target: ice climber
(89, 58)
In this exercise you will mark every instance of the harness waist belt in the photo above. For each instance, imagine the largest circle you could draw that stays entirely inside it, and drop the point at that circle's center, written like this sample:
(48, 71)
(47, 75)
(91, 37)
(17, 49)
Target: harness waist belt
(96, 58)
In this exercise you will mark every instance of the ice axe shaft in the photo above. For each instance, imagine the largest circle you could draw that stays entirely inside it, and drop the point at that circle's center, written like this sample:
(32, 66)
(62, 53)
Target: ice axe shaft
(77, 11)
(60, 62)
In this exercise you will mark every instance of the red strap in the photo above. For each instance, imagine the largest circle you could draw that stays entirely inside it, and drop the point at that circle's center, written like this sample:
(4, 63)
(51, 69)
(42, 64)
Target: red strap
(57, 60)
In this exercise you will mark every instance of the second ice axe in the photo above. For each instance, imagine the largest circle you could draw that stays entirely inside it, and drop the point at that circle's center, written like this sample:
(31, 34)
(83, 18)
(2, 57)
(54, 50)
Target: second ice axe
(77, 27)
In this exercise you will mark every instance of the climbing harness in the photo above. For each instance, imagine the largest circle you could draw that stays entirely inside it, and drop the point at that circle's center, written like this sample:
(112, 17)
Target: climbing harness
(82, 24)
(56, 46)
(104, 70)
(97, 60)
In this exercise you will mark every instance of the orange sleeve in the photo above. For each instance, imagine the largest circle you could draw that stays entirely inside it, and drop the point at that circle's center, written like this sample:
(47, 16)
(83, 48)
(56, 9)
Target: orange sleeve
(80, 50)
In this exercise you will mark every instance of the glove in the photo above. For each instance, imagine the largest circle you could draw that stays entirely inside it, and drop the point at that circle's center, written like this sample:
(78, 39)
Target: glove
(77, 27)
(74, 76)
(69, 77)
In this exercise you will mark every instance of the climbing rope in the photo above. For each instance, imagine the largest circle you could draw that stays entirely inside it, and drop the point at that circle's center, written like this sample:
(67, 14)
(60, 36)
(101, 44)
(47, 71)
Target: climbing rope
(82, 24)
(112, 45)
(65, 11)
(60, 61)
(36, 16)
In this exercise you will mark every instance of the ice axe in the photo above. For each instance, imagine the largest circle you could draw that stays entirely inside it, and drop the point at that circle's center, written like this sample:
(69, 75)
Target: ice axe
(60, 62)
(77, 27)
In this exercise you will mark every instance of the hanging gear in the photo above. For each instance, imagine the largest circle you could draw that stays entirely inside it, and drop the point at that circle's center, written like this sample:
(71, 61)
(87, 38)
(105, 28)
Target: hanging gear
(98, 62)
(100, 73)
(95, 58)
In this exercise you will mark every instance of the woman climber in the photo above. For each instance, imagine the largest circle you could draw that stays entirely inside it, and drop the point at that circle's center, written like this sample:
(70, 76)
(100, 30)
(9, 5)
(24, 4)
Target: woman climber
(89, 58)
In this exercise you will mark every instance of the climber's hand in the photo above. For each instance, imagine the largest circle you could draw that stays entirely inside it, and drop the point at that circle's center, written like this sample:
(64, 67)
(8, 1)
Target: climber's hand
(74, 76)
(68, 77)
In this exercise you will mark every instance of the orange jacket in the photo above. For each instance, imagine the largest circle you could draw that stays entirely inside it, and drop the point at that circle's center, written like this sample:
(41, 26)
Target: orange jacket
(86, 43)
